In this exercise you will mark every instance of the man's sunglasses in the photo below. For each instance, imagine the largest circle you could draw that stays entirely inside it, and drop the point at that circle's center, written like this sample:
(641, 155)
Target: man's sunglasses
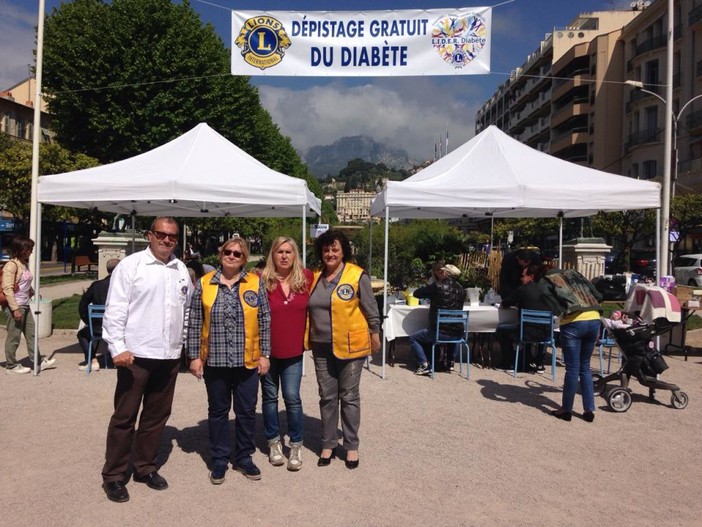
(160, 235)
(232, 252)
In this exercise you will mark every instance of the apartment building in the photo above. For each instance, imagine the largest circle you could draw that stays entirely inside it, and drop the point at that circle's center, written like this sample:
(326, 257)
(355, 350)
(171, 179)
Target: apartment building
(570, 97)
(17, 112)
(560, 100)
(353, 206)
(645, 45)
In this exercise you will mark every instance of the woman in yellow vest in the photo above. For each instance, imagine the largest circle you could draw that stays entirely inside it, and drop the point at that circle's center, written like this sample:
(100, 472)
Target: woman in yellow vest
(228, 342)
(344, 329)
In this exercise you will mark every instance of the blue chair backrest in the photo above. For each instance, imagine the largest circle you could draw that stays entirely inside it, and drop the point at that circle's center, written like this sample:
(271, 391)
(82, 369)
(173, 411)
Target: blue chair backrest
(535, 317)
(452, 317)
(95, 312)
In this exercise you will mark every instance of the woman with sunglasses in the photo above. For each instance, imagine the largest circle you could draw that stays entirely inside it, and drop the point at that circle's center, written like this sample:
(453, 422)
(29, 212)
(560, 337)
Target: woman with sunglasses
(228, 342)
(344, 330)
(287, 283)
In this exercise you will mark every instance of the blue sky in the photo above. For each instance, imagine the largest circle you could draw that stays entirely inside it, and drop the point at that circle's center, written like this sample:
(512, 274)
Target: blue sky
(406, 112)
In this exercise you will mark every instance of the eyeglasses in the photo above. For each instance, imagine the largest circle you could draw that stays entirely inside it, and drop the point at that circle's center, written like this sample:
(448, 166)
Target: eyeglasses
(231, 252)
(160, 235)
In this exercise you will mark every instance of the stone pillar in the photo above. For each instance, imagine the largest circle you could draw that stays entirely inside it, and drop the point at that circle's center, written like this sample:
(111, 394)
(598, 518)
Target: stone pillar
(117, 245)
(585, 255)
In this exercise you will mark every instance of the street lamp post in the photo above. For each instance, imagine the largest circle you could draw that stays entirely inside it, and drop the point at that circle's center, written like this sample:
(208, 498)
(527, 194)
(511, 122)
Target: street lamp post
(671, 162)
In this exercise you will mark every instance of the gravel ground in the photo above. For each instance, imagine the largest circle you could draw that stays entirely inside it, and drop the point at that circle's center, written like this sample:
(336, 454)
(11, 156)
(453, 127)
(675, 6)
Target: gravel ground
(483, 452)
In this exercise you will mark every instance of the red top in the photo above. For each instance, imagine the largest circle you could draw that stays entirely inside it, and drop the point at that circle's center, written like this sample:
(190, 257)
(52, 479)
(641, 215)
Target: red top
(288, 320)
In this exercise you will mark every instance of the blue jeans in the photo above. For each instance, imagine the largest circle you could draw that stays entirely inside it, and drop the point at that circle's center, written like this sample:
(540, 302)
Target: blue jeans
(223, 385)
(578, 342)
(286, 373)
(425, 337)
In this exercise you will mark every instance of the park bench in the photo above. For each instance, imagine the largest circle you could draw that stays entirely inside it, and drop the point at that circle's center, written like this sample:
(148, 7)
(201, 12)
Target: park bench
(84, 261)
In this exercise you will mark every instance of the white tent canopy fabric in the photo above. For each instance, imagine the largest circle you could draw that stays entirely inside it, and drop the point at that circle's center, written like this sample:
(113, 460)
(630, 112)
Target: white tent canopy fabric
(198, 174)
(494, 174)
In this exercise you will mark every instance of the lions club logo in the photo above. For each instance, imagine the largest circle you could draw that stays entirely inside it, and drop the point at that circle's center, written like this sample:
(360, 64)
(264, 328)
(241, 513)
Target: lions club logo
(459, 39)
(345, 292)
(251, 298)
(263, 41)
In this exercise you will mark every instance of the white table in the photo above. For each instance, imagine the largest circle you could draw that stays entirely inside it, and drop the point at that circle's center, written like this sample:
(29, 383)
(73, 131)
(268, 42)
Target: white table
(404, 320)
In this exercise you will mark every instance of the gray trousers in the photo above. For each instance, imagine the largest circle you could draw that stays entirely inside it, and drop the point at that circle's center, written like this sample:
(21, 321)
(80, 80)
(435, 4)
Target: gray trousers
(339, 382)
(15, 329)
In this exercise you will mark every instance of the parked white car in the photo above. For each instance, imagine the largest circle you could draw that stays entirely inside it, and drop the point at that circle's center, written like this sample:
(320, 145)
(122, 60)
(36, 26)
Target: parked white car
(688, 270)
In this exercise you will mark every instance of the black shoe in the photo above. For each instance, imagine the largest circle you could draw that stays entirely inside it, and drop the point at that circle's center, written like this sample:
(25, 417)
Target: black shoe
(325, 461)
(249, 469)
(116, 491)
(351, 464)
(218, 474)
(589, 416)
(560, 414)
(153, 480)
(540, 368)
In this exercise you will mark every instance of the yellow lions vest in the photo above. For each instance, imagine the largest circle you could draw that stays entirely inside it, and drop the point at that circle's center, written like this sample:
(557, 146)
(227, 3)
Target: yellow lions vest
(350, 333)
(248, 297)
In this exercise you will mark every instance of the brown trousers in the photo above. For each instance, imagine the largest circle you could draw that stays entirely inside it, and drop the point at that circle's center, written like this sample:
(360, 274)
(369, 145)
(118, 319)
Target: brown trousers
(151, 382)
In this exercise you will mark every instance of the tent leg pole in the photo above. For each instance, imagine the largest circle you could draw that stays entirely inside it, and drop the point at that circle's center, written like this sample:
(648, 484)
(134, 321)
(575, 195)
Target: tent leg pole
(385, 285)
(303, 250)
(37, 297)
(560, 240)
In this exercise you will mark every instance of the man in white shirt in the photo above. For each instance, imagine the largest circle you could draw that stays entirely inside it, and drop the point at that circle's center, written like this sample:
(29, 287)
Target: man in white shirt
(143, 327)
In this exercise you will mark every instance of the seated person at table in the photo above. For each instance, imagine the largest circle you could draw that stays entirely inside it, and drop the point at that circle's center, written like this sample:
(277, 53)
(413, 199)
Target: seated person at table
(444, 292)
(511, 270)
(532, 294)
(95, 294)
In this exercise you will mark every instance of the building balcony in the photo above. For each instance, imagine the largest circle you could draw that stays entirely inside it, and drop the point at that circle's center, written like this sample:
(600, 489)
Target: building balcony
(651, 44)
(568, 112)
(643, 137)
(694, 17)
(569, 138)
(693, 121)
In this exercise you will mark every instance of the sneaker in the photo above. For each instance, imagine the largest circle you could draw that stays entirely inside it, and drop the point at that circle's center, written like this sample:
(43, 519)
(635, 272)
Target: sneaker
(249, 469)
(47, 364)
(218, 474)
(540, 368)
(275, 453)
(423, 369)
(18, 369)
(95, 366)
(295, 461)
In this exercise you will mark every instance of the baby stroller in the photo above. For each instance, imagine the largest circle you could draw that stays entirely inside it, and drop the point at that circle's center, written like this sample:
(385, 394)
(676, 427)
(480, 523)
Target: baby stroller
(640, 358)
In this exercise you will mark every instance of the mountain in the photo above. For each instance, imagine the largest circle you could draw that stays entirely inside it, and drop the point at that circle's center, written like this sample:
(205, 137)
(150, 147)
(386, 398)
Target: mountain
(323, 160)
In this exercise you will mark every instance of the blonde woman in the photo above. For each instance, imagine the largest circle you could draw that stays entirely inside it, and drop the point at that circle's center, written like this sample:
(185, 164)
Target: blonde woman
(287, 284)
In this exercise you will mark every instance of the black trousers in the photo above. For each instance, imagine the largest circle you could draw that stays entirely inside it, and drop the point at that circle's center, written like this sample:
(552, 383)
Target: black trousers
(149, 384)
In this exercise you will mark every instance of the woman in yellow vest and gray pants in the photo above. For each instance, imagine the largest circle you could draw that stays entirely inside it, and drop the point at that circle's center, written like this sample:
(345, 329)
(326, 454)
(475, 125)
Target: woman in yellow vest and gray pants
(229, 344)
(344, 328)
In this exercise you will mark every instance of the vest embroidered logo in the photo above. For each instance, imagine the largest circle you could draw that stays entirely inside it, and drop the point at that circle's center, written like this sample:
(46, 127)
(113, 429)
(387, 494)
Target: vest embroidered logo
(459, 39)
(263, 41)
(345, 292)
(251, 298)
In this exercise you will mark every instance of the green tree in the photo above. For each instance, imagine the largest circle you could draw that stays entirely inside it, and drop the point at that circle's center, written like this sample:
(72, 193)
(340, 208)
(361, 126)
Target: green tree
(16, 176)
(125, 76)
(687, 215)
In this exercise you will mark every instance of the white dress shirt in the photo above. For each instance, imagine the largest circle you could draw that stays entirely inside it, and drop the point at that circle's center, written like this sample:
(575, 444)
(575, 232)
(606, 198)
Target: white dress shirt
(146, 307)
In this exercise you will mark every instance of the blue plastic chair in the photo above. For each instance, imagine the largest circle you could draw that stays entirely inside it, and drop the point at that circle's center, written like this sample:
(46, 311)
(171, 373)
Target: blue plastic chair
(606, 341)
(95, 312)
(453, 317)
(540, 318)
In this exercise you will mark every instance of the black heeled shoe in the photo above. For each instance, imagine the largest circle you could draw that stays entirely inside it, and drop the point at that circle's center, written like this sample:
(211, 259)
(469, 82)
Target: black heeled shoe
(563, 416)
(351, 464)
(589, 416)
(325, 461)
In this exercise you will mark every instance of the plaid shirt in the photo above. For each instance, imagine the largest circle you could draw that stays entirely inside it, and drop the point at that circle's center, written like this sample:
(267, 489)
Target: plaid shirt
(226, 339)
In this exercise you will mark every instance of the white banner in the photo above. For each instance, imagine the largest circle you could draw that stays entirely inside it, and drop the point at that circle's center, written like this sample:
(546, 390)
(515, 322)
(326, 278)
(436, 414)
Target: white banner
(453, 41)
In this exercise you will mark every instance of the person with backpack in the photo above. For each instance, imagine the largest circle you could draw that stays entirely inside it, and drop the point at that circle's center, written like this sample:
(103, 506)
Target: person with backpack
(18, 290)
(577, 304)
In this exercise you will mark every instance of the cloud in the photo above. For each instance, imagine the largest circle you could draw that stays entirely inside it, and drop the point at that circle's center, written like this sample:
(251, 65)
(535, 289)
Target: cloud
(16, 41)
(411, 113)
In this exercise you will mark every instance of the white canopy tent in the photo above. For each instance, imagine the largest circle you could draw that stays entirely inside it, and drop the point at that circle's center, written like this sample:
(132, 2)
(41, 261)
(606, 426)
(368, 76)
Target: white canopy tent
(494, 175)
(199, 174)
